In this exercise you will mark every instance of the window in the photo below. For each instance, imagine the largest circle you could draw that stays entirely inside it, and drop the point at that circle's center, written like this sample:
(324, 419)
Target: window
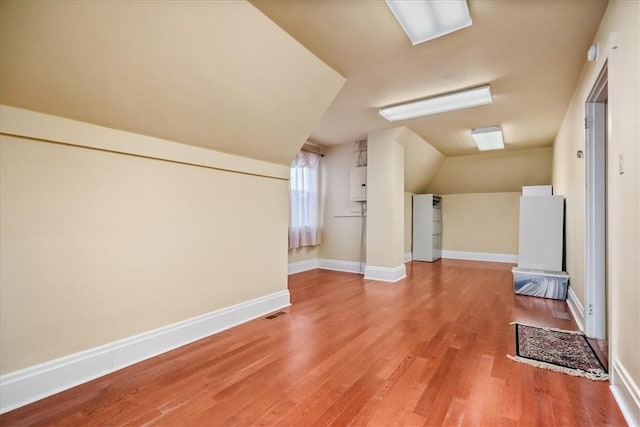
(304, 195)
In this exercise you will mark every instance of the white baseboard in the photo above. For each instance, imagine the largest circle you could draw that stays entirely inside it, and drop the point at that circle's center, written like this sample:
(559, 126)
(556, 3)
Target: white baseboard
(626, 393)
(326, 264)
(338, 265)
(575, 306)
(300, 266)
(385, 274)
(347, 267)
(480, 256)
(36, 382)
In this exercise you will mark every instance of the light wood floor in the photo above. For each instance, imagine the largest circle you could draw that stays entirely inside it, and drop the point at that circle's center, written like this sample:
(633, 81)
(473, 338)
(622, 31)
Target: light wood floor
(429, 350)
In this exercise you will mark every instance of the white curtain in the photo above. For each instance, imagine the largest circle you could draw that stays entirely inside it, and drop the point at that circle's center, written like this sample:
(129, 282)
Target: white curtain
(304, 190)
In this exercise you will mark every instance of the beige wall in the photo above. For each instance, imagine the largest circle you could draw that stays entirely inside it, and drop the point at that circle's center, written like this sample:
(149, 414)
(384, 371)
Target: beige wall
(623, 18)
(385, 199)
(408, 222)
(303, 254)
(481, 201)
(505, 171)
(341, 234)
(483, 222)
(97, 246)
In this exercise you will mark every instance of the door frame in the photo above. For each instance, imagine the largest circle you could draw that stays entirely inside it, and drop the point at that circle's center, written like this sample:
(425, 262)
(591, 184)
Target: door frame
(596, 207)
(607, 58)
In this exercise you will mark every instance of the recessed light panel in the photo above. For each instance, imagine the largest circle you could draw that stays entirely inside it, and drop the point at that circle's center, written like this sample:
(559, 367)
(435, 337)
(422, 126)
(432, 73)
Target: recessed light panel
(488, 138)
(424, 20)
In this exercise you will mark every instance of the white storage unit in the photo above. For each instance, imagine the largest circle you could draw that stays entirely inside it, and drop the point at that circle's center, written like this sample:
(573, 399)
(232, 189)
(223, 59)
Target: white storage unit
(541, 233)
(537, 190)
(358, 184)
(427, 227)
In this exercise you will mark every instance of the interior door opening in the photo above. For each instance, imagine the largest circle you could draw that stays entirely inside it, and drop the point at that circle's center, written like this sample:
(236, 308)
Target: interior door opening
(596, 287)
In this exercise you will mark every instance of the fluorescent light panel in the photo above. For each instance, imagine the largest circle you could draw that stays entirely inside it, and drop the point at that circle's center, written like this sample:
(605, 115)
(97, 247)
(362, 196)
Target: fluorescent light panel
(424, 20)
(438, 104)
(488, 138)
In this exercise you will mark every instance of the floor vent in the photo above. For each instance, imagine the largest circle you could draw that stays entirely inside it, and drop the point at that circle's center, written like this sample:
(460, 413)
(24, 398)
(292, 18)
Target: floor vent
(274, 315)
(561, 315)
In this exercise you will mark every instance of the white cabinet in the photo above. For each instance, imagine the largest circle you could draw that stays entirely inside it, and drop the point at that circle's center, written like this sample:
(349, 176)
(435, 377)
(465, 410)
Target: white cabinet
(427, 227)
(541, 232)
(358, 184)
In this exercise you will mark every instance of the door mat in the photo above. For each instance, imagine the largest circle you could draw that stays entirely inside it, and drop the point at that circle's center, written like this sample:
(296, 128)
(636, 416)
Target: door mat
(558, 350)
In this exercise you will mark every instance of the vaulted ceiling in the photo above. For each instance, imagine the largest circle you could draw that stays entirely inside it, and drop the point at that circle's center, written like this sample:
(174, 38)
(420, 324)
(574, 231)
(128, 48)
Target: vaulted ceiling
(216, 74)
(529, 51)
(257, 81)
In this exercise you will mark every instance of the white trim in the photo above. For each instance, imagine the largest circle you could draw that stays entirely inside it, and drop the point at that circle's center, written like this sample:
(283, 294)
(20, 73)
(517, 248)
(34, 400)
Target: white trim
(626, 393)
(408, 257)
(300, 266)
(338, 265)
(480, 256)
(385, 274)
(37, 382)
(595, 206)
(575, 306)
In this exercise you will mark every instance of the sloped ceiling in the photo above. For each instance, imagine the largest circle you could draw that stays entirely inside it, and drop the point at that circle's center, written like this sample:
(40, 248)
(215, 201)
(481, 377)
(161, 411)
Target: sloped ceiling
(494, 172)
(529, 51)
(215, 74)
(421, 162)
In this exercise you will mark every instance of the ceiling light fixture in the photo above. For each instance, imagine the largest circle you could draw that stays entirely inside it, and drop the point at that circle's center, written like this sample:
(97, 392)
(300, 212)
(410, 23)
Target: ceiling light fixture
(488, 138)
(424, 20)
(438, 104)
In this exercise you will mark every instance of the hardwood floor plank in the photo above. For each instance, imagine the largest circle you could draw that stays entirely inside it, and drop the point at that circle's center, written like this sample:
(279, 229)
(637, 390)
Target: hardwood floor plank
(440, 390)
(511, 406)
(455, 413)
(428, 350)
(395, 400)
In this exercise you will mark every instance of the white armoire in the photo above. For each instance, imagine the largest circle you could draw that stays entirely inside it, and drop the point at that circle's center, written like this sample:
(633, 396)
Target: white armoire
(427, 227)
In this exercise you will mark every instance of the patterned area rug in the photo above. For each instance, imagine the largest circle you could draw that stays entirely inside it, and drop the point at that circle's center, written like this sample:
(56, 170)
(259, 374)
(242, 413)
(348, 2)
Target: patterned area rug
(568, 352)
